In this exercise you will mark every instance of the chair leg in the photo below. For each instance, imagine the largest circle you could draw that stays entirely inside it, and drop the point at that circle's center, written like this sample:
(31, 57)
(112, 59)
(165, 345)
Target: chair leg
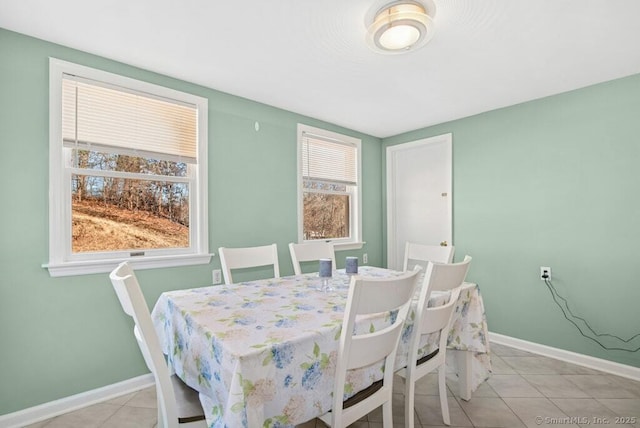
(161, 423)
(336, 420)
(387, 416)
(442, 387)
(409, 404)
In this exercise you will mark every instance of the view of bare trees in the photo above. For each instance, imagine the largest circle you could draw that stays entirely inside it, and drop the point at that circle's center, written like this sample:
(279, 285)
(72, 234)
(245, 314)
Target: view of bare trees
(115, 208)
(128, 200)
(326, 215)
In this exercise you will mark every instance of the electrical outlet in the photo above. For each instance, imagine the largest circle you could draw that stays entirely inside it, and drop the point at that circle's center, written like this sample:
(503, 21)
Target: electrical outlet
(365, 258)
(545, 273)
(216, 276)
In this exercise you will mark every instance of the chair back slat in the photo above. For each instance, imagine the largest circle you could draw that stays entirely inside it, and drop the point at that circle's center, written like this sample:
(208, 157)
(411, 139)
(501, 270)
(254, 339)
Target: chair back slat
(437, 318)
(248, 257)
(446, 277)
(310, 251)
(367, 349)
(427, 253)
(381, 294)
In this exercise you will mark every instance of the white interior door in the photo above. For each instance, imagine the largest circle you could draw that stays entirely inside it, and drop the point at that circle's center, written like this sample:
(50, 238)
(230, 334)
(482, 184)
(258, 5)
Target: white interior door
(419, 199)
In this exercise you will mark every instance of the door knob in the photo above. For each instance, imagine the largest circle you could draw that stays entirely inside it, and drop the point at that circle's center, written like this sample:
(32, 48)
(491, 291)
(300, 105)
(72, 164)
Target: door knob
(443, 244)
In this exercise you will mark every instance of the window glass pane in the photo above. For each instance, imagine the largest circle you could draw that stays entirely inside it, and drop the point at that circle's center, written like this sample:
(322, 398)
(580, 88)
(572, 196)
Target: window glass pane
(326, 216)
(101, 161)
(110, 214)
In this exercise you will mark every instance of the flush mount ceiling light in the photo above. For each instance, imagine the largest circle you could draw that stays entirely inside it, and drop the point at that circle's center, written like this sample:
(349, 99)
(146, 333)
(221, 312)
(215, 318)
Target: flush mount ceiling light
(400, 26)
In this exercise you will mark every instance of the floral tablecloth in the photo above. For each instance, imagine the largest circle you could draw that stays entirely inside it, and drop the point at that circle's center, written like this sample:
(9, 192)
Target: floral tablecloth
(262, 353)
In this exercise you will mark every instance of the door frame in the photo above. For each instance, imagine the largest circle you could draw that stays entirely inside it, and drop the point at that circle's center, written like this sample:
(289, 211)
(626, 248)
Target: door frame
(390, 156)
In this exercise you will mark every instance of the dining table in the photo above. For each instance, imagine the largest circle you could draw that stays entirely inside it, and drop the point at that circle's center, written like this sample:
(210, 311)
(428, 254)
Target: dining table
(263, 353)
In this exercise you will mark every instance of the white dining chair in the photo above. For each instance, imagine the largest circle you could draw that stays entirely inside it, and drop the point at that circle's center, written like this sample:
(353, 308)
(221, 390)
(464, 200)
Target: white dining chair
(248, 257)
(369, 296)
(178, 404)
(429, 320)
(420, 255)
(311, 251)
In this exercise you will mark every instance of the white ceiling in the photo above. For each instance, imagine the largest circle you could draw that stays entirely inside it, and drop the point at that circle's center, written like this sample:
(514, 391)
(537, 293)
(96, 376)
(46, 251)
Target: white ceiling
(311, 57)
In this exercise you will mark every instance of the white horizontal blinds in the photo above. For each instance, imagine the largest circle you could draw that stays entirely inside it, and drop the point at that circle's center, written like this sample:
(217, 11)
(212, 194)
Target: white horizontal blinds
(328, 160)
(108, 119)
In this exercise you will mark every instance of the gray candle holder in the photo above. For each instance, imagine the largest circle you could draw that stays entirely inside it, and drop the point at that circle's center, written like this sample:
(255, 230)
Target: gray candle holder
(351, 265)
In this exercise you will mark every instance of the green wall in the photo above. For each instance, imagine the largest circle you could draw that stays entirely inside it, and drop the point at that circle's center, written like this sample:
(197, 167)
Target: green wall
(63, 336)
(552, 182)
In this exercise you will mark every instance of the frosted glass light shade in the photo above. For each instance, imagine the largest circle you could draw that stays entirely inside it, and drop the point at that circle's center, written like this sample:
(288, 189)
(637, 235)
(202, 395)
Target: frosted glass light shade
(399, 37)
(400, 26)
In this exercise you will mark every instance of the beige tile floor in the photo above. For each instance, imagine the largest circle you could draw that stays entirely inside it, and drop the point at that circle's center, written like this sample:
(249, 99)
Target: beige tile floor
(525, 390)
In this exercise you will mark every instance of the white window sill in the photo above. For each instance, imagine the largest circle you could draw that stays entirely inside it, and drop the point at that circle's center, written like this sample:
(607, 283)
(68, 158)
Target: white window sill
(348, 246)
(103, 266)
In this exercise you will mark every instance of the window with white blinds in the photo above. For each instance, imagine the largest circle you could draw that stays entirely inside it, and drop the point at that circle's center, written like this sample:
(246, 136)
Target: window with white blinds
(329, 160)
(328, 186)
(128, 173)
(110, 119)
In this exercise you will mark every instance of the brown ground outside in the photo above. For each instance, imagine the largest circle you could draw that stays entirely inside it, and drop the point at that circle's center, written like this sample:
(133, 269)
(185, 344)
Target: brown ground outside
(100, 227)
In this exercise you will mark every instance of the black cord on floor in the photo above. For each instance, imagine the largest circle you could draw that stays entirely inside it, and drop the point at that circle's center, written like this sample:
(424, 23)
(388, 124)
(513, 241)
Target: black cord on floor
(555, 295)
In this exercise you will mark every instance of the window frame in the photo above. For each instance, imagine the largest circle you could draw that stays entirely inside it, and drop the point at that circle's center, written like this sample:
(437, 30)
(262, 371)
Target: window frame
(62, 262)
(354, 241)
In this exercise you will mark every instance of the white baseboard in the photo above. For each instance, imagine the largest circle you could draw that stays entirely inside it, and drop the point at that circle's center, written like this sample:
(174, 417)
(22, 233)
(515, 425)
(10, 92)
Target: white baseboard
(607, 366)
(48, 410)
